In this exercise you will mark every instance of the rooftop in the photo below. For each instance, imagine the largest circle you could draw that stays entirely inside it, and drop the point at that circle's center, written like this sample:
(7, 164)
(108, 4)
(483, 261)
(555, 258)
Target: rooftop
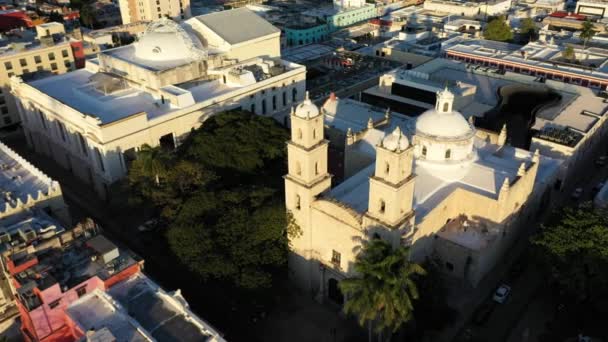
(18, 41)
(246, 25)
(21, 182)
(164, 316)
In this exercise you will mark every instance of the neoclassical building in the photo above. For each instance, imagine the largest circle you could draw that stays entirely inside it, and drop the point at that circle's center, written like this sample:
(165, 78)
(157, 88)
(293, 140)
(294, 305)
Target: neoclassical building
(435, 183)
(155, 91)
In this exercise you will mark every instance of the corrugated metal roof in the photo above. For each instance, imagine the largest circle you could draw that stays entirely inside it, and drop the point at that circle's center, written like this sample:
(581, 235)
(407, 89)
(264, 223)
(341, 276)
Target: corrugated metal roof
(237, 25)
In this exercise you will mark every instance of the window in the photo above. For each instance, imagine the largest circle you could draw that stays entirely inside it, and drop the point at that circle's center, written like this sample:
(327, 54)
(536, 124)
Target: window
(99, 159)
(299, 134)
(382, 207)
(387, 168)
(67, 64)
(53, 66)
(7, 120)
(252, 110)
(37, 59)
(61, 130)
(449, 266)
(8, 65)
(81, 291)
(25, 71)
(264, 106)
(424, 151)
(294, 94)
(314, 134)
(297, 202)
(2, 100)
(448, 154)
(54, 304)
(445, 107)
(335, 258)
(42, 120)
(83, 144)
(284, 99)
(39, 68)
(274, 102)
(4, 110)
(23, 62)
(51, 56)
(316, 168)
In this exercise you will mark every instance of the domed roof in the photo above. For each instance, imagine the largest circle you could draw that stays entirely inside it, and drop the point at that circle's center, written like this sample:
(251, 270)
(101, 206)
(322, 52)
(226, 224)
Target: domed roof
(395, 141)
(306, 109)
(164, 40)
(450, 125)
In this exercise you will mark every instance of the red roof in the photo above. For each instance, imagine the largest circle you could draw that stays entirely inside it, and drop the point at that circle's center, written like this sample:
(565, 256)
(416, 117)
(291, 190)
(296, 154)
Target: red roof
(567, 15)
(381, 22)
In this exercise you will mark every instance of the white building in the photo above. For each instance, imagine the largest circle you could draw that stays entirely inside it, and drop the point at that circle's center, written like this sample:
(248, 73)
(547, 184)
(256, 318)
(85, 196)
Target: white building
(434, 183)
(469, 8)
(596, 8)
(23, 187)
(138, 10)
(155, 91)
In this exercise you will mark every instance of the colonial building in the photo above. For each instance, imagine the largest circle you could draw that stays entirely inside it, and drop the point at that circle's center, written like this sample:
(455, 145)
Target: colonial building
(435, 183)
(155, 91)
(138, 10)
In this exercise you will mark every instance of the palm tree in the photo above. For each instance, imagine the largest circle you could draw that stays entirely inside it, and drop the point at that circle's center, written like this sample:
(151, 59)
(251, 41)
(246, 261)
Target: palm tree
(587, 32)
(384, 290)
(153, 161)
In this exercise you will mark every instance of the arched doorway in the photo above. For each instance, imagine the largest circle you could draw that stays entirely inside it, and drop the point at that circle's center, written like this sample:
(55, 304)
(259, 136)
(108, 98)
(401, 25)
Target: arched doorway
(333, 292)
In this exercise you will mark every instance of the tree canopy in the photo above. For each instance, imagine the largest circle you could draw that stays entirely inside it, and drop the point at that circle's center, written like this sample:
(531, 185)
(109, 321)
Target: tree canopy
(498, 29)
(528, 28)
(221, 195)
(574, 252)
(384, 290)
(587, 32)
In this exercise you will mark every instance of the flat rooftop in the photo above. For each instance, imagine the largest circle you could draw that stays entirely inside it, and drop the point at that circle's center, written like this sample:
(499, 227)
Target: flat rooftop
(162, 315)
(19, 180)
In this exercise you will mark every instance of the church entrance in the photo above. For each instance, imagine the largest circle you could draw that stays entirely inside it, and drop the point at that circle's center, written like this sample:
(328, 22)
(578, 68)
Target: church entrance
(333, 292)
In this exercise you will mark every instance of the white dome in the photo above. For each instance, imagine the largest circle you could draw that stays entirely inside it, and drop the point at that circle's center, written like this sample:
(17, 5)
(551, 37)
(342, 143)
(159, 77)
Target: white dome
(451, 125)
(306, 109)
(162, 46)
(395, 141)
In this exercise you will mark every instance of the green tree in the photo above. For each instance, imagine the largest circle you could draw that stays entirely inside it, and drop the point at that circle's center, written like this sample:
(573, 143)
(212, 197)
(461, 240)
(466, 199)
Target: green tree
(587, 32)
(151, 162)
(574, 252)
(499, 30)
(528, 28)
(384, 290)
(569, 54)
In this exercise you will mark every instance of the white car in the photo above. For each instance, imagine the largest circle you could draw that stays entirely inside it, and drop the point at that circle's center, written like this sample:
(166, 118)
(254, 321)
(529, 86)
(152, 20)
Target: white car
(502, 293)
(148, 226)
(577, 193)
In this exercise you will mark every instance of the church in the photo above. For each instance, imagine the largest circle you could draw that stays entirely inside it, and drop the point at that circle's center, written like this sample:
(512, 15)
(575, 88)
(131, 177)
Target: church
(453, 193)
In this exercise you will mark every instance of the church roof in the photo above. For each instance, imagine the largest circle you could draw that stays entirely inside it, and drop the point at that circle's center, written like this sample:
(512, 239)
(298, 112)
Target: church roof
(450, 125)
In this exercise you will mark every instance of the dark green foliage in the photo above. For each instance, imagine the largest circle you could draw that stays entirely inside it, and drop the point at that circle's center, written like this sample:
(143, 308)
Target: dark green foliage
(221, 193)
(432, 311)
(384, 290)
(498, 29)
(528, 28)
(574, 252)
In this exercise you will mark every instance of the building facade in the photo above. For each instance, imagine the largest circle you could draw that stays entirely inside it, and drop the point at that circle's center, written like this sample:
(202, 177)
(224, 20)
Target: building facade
(453, 193)
(148, 10)
(303, 34)
(156, 91)
(29, 55)
(469, 8)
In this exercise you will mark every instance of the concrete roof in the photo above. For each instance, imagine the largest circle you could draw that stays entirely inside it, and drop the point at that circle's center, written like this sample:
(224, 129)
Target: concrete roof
(237, 25)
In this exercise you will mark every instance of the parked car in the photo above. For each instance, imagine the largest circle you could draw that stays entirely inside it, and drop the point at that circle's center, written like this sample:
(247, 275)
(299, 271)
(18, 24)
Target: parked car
(598, 187)
(577, 193)
(148, 226)
(482, 314)
(601, 161)
(502, 293)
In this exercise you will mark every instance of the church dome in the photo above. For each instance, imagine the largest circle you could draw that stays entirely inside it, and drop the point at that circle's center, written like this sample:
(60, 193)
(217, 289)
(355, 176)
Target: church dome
(395, 141)
(164, 40)
(306, 109)
(447, 125)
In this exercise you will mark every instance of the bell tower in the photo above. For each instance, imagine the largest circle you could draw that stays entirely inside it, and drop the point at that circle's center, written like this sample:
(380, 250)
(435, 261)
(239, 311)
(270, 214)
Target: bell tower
(391, 188)
(444, 102)
(307, 177)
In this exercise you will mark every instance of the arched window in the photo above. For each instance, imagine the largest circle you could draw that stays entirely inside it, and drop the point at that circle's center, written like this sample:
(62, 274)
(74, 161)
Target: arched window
(298, 169)
(445, 107)
(424, 151)
(448, 154)
(316, 168)
(314, 134)
(294, 94)
(297, 204)
(299, 134)
(382, 206)
(387, 168)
